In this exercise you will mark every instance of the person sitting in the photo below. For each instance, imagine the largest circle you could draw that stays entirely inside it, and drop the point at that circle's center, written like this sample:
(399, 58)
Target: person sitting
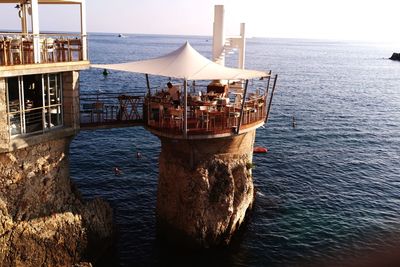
(175, 94)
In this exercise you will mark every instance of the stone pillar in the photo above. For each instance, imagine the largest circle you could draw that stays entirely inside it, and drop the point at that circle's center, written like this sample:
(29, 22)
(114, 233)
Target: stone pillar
(205, 187)
(43, 221)
(4, 133)
(70, 82)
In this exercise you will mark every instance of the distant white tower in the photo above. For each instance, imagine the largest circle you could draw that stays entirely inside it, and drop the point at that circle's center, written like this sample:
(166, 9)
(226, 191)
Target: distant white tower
(218, 35)
(222, 45)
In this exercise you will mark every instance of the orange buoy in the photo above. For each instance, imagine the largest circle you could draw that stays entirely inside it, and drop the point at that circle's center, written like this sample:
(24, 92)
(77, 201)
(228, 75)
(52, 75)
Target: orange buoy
(259, 149)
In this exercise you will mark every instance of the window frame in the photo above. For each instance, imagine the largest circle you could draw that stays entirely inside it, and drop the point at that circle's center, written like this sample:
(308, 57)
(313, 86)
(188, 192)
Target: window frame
(46, 108)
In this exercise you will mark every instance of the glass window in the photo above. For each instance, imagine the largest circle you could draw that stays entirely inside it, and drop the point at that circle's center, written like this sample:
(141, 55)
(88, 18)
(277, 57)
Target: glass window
(34, 103)
(14, 108)
(52, 96)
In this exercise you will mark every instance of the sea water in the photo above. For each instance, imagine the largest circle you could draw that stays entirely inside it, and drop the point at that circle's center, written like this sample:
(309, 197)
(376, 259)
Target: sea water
(327, 190)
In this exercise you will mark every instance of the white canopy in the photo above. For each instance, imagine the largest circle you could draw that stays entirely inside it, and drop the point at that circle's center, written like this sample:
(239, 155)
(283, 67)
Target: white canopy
(184, 63)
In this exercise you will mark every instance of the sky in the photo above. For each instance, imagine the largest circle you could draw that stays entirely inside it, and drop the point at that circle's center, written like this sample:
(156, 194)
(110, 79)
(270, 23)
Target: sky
(369, 20)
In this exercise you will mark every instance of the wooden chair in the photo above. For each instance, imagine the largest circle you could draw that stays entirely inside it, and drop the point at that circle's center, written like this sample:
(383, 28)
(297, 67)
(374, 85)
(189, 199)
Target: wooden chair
(47, 50)
(27, 51)
(74, 45)
(202, 118)
(15, 51)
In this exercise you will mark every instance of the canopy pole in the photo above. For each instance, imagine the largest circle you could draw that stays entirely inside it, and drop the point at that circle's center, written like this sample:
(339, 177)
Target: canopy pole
(148, 84)
(35, 30)
(267, 87)
(23, 11)
(83, 30)
(242, 109)
(185, 109)
(270, 98)
(269, 79)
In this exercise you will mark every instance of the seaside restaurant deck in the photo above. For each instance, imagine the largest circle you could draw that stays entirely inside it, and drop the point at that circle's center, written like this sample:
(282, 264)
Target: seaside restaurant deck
(213, 100)
(30, 46)
(212, 109)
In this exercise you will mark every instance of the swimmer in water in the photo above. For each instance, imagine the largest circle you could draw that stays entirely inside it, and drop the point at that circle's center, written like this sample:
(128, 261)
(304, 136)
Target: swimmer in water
(293, 122)
(117, 171)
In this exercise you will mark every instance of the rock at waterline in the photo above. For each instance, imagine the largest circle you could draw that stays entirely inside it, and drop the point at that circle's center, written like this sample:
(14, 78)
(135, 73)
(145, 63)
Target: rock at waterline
(395, 56)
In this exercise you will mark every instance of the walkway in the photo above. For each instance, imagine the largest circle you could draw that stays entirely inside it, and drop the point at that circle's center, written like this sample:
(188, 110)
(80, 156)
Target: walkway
(110, 110)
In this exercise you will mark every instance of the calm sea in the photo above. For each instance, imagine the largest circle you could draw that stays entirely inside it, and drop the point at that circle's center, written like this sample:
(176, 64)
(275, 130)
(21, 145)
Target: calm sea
(327, 190)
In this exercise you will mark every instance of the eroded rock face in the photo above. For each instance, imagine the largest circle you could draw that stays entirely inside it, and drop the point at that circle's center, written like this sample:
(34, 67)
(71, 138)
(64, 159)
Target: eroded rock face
(43, 222)
(205, 187)
(395, 56)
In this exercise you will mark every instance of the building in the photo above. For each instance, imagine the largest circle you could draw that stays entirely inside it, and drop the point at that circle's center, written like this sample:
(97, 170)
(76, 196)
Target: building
(39, 74)
(42, 218)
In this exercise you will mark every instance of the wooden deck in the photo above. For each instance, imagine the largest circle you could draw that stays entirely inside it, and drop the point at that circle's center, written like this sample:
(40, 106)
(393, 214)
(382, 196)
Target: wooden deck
(110, 110)
(111, 124)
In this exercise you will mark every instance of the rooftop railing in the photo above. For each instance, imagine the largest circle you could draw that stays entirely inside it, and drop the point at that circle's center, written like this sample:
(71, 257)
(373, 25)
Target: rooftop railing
(110, 109)
(19, 49)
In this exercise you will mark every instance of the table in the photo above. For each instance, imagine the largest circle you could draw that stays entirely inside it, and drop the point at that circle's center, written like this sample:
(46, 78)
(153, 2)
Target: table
(128, 107)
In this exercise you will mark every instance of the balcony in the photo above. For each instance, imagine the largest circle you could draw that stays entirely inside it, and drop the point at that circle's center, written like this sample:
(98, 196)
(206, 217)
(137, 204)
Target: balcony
(30, 50)
(19, 49)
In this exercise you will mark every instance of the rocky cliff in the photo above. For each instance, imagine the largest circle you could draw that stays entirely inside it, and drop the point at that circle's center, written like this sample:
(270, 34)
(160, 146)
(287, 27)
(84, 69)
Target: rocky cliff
(205, 187)
(395, 56)
(43, 220)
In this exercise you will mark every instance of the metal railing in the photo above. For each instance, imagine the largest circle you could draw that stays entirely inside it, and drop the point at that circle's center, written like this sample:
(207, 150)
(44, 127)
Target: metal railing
(19, 49)
(206, 114)
(110, 108)
(34, 120)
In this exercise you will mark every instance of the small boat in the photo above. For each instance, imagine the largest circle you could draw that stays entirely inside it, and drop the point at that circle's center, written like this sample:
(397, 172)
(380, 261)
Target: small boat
(259, 149)
(121, 35)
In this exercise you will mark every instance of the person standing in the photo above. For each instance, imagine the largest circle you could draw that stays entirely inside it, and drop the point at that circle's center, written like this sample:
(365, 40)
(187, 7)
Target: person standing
(175, 94)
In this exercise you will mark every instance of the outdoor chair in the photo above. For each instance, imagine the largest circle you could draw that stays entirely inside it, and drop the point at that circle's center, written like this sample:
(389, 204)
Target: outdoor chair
(15, 51)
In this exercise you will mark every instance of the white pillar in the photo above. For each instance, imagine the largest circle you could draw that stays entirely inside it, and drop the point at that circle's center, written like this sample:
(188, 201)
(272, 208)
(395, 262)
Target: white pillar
(24, 26)
(242, 46)
(218, 35)
(35, 30)
(185, 108)
(83, 30)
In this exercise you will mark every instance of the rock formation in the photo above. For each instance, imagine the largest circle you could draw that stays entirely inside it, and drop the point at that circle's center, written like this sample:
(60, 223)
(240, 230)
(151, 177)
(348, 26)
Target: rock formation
(43, 221)
(395, 56)
(205, 187)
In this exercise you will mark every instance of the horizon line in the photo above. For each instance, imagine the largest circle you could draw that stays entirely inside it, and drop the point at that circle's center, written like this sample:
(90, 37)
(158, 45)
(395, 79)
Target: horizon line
(4, 31)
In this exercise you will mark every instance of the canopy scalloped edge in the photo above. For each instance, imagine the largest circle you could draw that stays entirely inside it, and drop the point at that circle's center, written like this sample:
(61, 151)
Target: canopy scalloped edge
(184, 63)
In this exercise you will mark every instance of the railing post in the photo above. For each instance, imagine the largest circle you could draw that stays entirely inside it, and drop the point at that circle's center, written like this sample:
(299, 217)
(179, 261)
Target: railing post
(241, 110)
(270, 98)
(148, 85)
(185, 109)
(269, 79)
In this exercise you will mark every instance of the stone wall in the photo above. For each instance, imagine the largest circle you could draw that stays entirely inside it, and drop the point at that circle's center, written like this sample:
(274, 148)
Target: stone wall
(43, 221)
(205, 187)
(4, 134)
(71, 99)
